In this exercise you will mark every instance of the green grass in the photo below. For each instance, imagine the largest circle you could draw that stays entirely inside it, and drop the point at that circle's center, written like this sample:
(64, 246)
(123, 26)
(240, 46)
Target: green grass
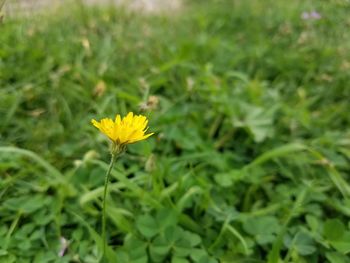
(251, 158)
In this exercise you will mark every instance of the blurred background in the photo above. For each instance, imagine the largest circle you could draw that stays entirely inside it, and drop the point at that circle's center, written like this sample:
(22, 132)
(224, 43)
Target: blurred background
(30, 7)
(249, 102)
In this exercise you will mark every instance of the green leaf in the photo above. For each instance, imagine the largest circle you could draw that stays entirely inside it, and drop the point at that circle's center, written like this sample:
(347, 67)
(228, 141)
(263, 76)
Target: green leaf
(182, 248)
(312, 222)
(41, 217)
(144, 259)
(147, 226)
(302, 243)
(278, 152)
(44, 257)
(261, 225)
(343, 244)
(137, 249)
(173, 234)
(179, 260)
(333, 229)
(55, 175)
(111, 256)
(25, 204)
(257, 121)
(166, 217)
(264, 229)
(197, 254)
(265, 239)
(161, 246)
(208, 260)
(193, 239)
(335, 257)
(223, 179)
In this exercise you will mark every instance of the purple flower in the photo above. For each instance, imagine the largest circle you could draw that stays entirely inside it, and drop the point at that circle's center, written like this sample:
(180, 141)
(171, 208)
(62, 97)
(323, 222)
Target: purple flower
(64, 245)
(313, 15)
(305, 16)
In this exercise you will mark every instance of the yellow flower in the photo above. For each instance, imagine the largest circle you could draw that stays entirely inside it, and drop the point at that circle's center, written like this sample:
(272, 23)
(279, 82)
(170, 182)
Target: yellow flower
(130, 129)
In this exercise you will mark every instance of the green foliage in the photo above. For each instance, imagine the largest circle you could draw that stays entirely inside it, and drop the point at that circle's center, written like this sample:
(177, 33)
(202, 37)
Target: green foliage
(250, 159)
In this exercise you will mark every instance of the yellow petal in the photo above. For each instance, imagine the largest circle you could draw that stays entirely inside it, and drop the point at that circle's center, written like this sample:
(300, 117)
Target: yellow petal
(141, 138)
(95, 123)
(118, 119)
(128, 129)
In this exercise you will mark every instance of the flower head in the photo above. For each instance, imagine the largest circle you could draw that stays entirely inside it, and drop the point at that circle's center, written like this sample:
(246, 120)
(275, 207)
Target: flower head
(130, 129)
(313, 15)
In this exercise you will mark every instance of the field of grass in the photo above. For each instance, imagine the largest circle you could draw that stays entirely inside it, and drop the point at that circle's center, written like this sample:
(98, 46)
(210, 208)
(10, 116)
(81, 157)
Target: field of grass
(250, 161)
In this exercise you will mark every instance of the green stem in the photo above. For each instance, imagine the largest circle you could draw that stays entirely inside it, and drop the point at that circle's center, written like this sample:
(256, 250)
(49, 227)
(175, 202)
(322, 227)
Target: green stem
(114, 157)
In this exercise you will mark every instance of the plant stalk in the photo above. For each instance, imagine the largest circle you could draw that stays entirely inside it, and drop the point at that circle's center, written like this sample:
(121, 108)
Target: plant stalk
(113, 159)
